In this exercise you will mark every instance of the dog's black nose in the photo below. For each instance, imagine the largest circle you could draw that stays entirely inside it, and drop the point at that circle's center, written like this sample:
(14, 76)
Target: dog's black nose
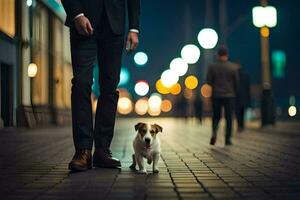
(147, 140)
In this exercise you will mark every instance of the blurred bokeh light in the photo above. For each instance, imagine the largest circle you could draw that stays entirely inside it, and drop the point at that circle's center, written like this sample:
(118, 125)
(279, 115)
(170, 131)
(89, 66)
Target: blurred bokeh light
(141, 88)
(292, 111)
(169, 78)
(265, 32)
(161, 88)
(140, 58)
(124, 76)
(32, 70)
(154, 104)
(208, 38)
(264, 16)
(124, 106)
(191, 82)
(175, 89)
(190, 53)
(179, 66)
(29, 3)
(141, 106)
(206, 91)
(166, 105)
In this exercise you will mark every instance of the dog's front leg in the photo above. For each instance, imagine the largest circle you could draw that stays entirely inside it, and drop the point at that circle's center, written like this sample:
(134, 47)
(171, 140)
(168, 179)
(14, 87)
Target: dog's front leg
(140, 162)
(132, 166)
(155, 162)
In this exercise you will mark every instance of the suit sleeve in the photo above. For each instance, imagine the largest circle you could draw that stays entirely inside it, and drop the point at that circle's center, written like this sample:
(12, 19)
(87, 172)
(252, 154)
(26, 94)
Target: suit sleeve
(134, 9)
(72, 8)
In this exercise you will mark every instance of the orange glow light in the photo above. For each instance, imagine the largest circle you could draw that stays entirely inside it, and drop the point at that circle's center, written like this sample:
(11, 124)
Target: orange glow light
(176, 89)
(206, 91)
(141, 106)
(166, 105)
(191, 82)
(161, 88)
(265, 32)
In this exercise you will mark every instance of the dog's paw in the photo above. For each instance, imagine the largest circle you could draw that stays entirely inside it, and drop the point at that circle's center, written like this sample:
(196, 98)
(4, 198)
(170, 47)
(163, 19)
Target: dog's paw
(156, 170)
(143, 171)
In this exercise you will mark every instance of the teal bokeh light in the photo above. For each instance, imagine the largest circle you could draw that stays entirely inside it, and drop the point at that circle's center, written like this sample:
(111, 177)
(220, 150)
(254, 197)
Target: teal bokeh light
(279, 63)
(124, 76)
(140, 58)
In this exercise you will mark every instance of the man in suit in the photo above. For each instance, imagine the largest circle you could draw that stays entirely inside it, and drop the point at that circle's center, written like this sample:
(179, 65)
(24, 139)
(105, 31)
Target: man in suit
(97, 29)
(223, 77)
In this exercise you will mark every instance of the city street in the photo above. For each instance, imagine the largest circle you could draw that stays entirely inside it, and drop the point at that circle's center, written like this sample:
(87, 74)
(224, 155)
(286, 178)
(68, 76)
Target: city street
(261, 164)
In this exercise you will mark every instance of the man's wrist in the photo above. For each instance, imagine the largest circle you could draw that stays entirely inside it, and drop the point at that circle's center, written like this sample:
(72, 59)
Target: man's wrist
(134, 30)
(79, 15)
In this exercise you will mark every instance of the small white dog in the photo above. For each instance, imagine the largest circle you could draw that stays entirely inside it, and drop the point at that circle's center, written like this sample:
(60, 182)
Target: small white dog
(146, 145)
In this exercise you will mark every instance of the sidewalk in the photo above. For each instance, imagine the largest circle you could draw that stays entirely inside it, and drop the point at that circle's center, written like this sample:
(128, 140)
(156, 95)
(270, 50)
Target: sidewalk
(260, 165)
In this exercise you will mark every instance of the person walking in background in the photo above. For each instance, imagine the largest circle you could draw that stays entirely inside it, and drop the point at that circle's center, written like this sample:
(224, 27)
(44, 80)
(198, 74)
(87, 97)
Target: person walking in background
(243, 97)
(97, 29)
(223, 78)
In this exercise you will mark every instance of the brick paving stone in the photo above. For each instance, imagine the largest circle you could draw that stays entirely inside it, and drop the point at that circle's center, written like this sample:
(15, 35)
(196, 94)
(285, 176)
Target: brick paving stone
(260, 165)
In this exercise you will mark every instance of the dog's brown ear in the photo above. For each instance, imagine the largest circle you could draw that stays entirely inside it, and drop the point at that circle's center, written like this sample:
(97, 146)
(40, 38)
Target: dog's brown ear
(158, 128)
(138, 126)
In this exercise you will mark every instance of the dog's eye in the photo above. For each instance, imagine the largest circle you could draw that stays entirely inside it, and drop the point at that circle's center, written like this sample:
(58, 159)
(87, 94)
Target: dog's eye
(144, 131)
(151, 131)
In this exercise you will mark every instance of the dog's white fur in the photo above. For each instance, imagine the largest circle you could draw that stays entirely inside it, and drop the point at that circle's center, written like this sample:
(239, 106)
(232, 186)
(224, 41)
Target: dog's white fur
(142, 149)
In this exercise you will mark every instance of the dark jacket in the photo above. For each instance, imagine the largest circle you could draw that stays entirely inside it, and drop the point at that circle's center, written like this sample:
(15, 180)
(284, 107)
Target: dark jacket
(223, 78)
(115, 9)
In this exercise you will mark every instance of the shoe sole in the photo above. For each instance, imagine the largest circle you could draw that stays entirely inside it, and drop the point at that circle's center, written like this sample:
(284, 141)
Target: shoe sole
(76, 168)
(106, 166)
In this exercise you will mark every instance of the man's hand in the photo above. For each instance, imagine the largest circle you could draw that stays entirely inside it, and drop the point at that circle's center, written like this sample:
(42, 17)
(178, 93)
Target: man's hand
(132, 41)
(83, 26)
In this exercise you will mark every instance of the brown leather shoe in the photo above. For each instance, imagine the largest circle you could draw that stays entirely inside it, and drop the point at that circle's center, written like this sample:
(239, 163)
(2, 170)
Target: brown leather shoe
(103, 158)
(81, 161)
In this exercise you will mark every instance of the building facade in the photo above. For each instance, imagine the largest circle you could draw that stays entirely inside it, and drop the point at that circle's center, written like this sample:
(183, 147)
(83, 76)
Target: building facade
(33, 31)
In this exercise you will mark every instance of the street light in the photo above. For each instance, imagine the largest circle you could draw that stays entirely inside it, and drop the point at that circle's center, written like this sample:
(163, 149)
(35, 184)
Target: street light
(265, 17)
(31, 73)
(32, 70)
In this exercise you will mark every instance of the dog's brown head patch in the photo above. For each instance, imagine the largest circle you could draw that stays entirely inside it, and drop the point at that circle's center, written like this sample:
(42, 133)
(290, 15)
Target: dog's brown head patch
(155, 128)
(141, 128)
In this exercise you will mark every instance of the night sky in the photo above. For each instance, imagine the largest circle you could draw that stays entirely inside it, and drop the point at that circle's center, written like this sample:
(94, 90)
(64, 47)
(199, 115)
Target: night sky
(166, 26)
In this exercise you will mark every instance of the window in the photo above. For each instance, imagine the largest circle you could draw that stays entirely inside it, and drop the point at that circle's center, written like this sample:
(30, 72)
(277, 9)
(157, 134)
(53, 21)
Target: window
(7, 17)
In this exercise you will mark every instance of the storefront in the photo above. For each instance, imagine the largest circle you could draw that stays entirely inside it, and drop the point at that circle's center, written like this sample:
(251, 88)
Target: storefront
(33, 32)
(8, 62)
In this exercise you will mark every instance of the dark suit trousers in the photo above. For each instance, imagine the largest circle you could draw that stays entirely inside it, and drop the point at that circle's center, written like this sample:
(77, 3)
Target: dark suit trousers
(218, 104)
(107, 47)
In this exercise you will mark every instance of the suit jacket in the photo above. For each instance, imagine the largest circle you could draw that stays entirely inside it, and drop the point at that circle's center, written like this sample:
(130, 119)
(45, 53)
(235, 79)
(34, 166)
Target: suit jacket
(115, 10)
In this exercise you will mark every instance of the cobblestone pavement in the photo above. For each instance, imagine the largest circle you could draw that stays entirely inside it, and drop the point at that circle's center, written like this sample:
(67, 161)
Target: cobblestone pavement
(260, 165)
